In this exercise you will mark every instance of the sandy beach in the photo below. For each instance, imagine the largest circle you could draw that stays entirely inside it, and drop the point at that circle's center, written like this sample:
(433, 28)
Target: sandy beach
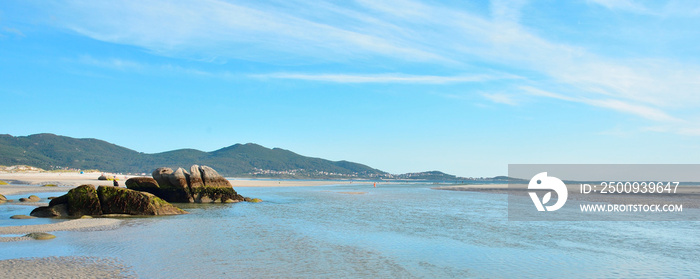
(292, 183)
(67, 180)
(65, 267)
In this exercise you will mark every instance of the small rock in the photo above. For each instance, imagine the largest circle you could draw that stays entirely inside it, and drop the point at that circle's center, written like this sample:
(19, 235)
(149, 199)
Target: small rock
(31, 198)
(44, 211)
(2, 198)
(256, 200)
(117, 215)
(41, 236)
(21, 217)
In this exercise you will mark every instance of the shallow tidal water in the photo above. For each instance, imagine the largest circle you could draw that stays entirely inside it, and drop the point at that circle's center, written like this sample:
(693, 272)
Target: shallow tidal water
(391, 231)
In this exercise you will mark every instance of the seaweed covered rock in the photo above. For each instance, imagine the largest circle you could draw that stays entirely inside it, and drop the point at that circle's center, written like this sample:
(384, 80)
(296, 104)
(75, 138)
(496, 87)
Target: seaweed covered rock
(117, 200)
(214, 187)
(206, 194)
(202, 184)
(83, 200)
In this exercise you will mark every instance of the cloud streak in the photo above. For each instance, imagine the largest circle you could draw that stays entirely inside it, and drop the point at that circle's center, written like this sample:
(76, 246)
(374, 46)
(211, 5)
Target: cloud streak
(383, 78)
(393, 34)
(643, 111)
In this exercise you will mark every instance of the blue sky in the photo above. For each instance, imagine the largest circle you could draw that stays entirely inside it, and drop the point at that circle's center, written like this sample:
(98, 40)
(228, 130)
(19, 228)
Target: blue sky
(465, 87)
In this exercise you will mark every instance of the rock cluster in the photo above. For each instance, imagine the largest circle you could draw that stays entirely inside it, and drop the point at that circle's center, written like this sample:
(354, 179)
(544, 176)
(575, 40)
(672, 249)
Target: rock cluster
(201, 184)
(86, 200)
(31, 198)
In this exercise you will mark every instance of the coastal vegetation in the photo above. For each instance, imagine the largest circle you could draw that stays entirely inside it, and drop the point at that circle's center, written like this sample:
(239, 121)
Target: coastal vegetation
(52, 152)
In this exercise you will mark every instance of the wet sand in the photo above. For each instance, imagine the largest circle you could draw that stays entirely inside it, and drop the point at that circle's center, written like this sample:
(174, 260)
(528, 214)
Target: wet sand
(65, 267)
(71, 225)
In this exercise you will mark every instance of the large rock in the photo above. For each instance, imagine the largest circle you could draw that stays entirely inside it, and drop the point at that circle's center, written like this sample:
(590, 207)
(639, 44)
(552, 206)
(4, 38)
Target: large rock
(162, 176)
(179, 190)
(180, 178)
(212, 178)
(195, 177)
(206, 194)
(117, 200)
(83, 200)
(214, 187)
(143, 184)
(173, 186)
(59, 200)
(60, 210)
(202, 184)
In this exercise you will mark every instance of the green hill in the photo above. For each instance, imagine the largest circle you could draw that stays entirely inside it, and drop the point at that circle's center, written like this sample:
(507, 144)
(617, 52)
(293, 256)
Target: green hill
(49, 151)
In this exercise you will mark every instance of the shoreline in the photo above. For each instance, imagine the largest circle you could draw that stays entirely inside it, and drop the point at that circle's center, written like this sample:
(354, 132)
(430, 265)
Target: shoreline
(687, 195)
(28, 182)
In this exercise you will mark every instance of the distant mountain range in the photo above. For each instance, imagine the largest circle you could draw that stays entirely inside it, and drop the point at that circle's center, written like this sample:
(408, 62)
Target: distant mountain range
(49, 151)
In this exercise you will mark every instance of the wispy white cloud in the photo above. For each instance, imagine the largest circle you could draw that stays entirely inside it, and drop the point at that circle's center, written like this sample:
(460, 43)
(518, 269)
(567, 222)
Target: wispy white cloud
(13, 31)
(643, 111)
(126, 65)
(145, 68)
(245, 30)
(500, 98)
(393, 33)
(682, 8)
(383, 78)
(624, 5)
(111, 63)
